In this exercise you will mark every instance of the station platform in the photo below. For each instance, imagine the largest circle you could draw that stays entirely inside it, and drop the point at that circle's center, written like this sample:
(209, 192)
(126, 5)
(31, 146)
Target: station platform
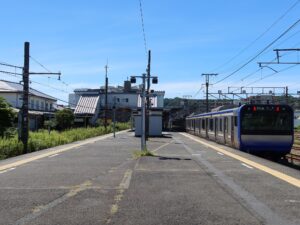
(189, 180)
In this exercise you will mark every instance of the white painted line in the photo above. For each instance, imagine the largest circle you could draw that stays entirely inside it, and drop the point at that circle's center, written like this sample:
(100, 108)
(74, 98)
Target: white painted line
(247, 166)
(10, 169)
(282, 176)
(51, 156)
(292, 201)
(220, 153)
(196, 154)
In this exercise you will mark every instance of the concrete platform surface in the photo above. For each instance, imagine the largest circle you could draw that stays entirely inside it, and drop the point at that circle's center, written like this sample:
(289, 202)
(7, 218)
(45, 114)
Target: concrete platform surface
(188, 181)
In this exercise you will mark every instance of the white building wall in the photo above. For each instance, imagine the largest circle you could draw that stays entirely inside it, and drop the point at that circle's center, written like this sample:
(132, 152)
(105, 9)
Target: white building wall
(122, 100)
(11, 98)
(35, 103)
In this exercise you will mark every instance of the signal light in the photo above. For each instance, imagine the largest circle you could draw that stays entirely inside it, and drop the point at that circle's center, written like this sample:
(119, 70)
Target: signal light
(254, 108)
(132, 80)
(277, 109)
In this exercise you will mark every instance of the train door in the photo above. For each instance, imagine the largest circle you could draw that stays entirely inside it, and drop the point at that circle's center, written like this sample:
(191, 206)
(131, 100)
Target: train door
(216, 128)
(206, 127)
(232, 131)
(225, 129)
(194, 126)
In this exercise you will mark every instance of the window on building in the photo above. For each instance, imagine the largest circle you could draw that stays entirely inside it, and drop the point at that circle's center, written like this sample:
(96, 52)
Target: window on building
(42, 105)
(47, 106)
(51, 107)
(37, 104)
(31, 104)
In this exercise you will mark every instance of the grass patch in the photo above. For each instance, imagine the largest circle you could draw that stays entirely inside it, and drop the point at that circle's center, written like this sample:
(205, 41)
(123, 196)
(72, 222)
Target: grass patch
(10, 147)
(139, 154)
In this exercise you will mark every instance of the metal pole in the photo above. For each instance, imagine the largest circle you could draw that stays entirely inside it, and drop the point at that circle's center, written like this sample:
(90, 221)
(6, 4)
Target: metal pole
(143, 116)
(207, 75)
(114, 117)
(106, 87)
(206, 94)
(148, 92)
(25, 117)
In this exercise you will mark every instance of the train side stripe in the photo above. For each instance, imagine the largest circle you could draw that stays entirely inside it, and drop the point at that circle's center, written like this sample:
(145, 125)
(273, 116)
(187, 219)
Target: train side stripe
(289, 179)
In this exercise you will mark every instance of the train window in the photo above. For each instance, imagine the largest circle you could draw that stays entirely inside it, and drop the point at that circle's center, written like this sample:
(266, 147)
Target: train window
(267, 122)
(203, 124)
(220, 125)
(235, 121)
(211, 124)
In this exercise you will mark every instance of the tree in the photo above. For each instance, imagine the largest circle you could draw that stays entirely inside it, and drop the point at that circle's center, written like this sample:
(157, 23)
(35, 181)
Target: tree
(50, 124)
(7, 116)
(64, 119)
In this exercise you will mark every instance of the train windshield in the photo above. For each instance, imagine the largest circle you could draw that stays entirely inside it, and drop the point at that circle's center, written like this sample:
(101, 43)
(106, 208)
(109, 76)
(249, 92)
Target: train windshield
(270, 121)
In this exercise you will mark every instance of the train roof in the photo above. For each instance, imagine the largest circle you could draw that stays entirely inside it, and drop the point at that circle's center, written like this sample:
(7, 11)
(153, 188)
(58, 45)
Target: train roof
(232, 110)
(214, 113)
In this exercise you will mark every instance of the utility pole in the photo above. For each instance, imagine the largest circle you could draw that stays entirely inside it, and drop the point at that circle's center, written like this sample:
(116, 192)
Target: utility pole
(114, 117)
(143, 140)
(207, 75)
(286, 95)
(25, 105)
(143, 106)
(148, 92)
(106, 87)
(25, 119)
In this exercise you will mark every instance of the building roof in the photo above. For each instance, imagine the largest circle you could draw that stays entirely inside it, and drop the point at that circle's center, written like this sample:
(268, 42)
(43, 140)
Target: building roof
(13, 87)
(87, 105)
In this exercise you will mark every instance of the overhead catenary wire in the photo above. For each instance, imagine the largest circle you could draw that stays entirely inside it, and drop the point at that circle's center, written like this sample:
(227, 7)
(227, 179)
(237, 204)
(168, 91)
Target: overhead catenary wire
(143, 25)
(9, 65)
(40, 64)
(270, 75)
(48, 70)
(260, 52)
(259, 37)
(11, 73)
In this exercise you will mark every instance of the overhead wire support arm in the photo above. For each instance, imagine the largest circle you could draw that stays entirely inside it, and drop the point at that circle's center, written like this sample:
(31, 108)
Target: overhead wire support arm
(260, 52)
(207, 75)
(24, 134)
(261, 64)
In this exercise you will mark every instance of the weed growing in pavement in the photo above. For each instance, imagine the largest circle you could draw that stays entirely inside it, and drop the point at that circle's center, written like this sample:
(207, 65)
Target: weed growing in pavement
(139, 153)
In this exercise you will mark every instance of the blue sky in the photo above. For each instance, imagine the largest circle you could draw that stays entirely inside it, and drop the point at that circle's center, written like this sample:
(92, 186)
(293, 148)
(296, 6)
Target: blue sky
(187, 38)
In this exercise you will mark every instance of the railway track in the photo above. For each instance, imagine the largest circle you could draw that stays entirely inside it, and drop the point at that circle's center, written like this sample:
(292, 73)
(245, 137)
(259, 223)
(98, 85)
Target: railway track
(294, 157)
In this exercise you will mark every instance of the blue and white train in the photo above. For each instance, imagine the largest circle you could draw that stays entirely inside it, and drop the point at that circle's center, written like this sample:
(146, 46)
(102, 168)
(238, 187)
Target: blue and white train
(257, 129)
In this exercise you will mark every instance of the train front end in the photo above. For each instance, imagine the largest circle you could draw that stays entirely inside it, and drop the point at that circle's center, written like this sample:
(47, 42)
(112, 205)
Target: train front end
(266, 129)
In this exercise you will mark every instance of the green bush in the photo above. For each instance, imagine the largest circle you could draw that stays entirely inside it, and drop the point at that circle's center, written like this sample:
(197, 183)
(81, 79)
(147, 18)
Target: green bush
(7, 116)
(64, 119)
(10, 147)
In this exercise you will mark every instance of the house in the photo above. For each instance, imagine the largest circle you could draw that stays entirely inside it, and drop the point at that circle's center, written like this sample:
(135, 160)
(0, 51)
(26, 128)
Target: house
(41, 105)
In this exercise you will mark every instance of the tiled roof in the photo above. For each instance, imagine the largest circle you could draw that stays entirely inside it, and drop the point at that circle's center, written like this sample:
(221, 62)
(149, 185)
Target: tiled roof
(13, 87)
(87, 105)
